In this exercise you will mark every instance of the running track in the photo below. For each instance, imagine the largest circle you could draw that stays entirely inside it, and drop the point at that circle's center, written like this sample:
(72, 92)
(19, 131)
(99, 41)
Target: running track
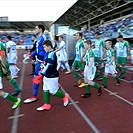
(112, 112)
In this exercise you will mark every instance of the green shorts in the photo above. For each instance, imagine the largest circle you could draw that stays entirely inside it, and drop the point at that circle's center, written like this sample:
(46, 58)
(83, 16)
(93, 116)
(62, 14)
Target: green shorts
(97, 59)
(80, 65)
(8, 70)
(121, 60)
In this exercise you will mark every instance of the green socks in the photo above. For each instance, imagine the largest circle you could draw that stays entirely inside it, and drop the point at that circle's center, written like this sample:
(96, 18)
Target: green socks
(46, 97)
(97, 86)
(117, 78)
(15, 84)
(9, 97)
(60, 94)
(119, 68)
(105, 80)
(101, 71)
(123, 70)
(76, 75)
(87, 88)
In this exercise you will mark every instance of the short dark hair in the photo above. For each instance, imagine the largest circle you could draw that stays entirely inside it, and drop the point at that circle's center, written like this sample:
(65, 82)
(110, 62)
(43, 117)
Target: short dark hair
(61, 36)
(120, 36)
(41, 27)
(47, 43)
(88, 42)
(109, 42)
(97, 33)
(34, 35)
(80, 34)
(9, 37)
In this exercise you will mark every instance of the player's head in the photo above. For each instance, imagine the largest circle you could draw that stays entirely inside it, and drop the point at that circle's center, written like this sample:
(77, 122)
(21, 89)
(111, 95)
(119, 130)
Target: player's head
(97, 34)
(39, 29)
(79, 36)
(60, 38)
(34, 38)
(9, 37)
(87, 44)
(108, 44)
(47, 44)
(120, 38)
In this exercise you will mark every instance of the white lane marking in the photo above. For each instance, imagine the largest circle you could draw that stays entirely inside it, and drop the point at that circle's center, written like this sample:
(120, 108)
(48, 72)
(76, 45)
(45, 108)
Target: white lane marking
(16, 112)
(88, 121)
(123, 99)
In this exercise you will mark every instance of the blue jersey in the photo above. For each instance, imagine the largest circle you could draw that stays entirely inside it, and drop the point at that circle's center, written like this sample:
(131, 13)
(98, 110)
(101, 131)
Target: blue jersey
(50, 69)
(40, 53)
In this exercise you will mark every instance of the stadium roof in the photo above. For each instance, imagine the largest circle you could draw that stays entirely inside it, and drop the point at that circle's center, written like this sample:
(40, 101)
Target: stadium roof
(91, 12)
(23, 26)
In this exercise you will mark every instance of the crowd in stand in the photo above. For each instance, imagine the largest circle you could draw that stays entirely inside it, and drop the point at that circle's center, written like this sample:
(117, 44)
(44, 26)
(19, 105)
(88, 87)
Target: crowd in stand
(107, 29)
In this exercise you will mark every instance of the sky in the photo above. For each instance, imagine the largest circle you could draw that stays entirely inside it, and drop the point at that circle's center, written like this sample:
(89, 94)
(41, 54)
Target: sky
(34, 10)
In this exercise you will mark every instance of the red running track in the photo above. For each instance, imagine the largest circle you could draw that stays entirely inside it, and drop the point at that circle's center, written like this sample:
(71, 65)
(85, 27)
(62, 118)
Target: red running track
(101, 114)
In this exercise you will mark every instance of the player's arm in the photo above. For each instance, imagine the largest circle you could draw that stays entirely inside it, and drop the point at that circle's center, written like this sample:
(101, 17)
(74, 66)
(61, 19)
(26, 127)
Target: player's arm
(49, 64)
(115, 50)
(58, 49)
(3, 61)
(33, 54)
(91, 62)
(83, 55)
(8, 49)
(128, 50)
(104, 50)
(91, 58)
(33, 48)
(82, 51)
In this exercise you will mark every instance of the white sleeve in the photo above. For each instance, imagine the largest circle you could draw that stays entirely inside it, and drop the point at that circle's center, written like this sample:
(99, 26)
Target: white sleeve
(7, 45)
(62, 44)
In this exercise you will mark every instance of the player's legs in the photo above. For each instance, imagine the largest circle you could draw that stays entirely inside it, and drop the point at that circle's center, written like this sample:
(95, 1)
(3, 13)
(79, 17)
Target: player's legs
(12, 81)
(87, 86)
(123, 68)
(90, 78)
(58, 65)
(8, 96)
(36, 86)
(67, 67)
(13, 61)
(74, 65)
(100, 68)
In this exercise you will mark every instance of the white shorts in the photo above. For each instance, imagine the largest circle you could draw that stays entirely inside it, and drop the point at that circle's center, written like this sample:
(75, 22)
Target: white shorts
(1, 85)
(63, 57)
(12, 58)
(50, 84)
(89, 73)
(110, 69)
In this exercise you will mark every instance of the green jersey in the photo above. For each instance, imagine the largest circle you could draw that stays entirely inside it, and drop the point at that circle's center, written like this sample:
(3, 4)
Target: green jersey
(89, 54)
(110, 54)
(2, 49)
(79, 50)
(121, 48)
(99, 45)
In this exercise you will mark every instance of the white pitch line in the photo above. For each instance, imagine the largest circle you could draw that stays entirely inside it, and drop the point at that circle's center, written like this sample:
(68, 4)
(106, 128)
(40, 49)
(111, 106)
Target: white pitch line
(126, 81)
(123, 99)
(120, 96)
(129, 72)
(88, 121)
(16, 112)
